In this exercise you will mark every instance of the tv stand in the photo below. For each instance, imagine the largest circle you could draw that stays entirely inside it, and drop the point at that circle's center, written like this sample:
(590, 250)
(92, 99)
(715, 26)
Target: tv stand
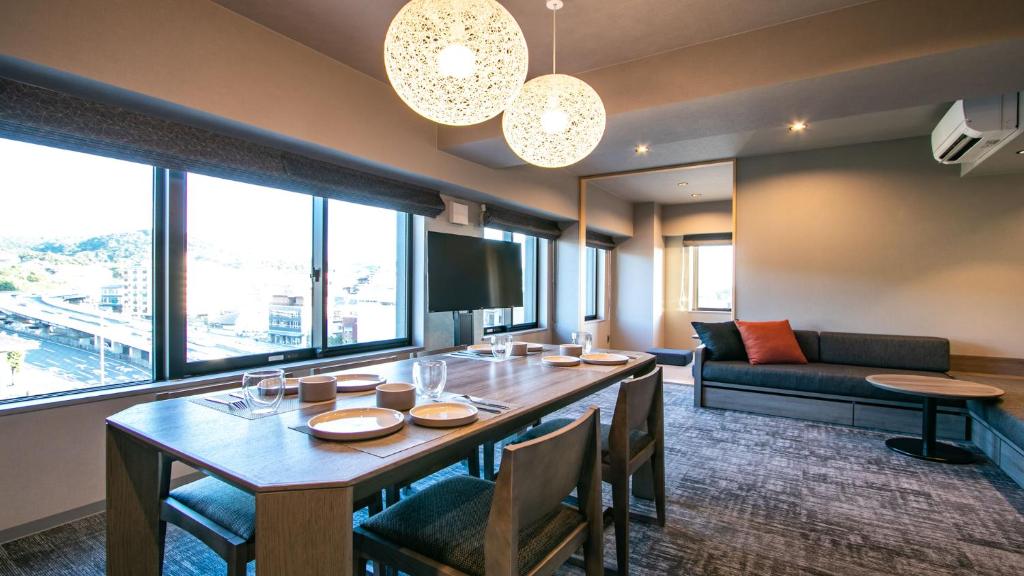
(463, 322)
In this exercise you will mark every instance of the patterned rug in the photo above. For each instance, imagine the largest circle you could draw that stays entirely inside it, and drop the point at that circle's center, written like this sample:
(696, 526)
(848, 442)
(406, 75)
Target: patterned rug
(747, 494)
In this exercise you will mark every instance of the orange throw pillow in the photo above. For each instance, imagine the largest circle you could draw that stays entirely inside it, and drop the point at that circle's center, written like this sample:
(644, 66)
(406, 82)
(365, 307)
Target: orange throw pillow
(771, 342)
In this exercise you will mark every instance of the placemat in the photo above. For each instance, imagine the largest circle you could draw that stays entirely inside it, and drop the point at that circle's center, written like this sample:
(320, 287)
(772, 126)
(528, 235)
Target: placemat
(484, 357)
(410, 435)
(288, 403)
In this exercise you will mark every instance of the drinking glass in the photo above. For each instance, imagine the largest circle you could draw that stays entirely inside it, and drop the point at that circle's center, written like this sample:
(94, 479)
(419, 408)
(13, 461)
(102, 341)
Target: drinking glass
(501, 346)
(263, 389)
(429, 376)
(585, 339)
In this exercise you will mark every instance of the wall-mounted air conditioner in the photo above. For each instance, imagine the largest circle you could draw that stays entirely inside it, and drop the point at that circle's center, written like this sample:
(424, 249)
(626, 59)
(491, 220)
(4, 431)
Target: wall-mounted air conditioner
(972, 130)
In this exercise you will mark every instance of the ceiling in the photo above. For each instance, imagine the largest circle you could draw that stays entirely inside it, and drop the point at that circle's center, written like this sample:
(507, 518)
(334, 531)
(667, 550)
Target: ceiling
(703, 80)
(710, 182)
(591, 33)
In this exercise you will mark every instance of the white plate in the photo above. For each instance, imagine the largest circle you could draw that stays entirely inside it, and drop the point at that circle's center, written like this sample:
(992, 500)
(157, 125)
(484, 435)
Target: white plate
(443, 414)
(480, 349)
(356, 423)
(531, 347)
(604, 359)
(358, 382)
(560, 360)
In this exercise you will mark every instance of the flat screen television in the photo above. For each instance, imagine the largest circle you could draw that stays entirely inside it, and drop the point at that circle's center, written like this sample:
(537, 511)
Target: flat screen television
(468, 273)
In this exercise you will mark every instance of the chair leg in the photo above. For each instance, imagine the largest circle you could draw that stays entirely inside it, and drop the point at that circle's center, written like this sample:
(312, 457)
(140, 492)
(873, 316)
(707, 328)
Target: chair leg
(392, 495)
(162, 535)
(489, 461)
(473, 463)
(237, 559)
(359, 566)
(620, 510)
(658, 466)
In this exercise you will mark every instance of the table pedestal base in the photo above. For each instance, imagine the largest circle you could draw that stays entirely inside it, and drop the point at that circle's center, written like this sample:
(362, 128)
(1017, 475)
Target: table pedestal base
(937, 452)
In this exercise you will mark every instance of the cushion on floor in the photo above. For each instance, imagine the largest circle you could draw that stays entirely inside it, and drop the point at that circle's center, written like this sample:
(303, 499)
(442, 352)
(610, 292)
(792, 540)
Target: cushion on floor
(447, 522)
(637, 440)
(226, 505)
(1006, 414)
(671, 356)
(840, 379)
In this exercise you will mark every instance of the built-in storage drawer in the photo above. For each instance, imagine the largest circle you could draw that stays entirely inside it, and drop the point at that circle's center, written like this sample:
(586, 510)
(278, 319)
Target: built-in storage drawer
(984, 439)
(1011, 460)
(907, 420)
(777, 405)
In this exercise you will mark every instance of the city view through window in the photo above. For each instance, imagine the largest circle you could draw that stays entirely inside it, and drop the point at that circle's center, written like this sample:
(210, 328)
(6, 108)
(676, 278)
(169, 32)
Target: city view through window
(75, 262)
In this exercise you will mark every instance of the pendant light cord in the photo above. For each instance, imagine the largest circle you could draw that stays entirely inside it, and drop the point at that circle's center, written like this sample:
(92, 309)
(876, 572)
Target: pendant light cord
(554, 38)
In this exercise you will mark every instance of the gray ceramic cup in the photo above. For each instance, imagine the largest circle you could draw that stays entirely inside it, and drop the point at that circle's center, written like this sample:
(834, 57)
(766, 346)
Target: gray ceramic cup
(571, 350)
(396, 396)
(317, 388)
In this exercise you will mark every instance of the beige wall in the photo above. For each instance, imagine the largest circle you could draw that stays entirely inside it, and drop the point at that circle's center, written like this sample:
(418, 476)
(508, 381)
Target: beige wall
(608, 213)
(637, 305)
(199, 55)
(880, 238)
(677, 220)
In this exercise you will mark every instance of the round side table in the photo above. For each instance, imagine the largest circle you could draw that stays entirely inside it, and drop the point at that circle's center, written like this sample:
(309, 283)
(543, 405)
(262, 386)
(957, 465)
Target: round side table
(931, 389)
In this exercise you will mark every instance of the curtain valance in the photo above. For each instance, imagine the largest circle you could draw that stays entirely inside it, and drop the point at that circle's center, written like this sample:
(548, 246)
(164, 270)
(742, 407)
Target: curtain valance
(521, 222)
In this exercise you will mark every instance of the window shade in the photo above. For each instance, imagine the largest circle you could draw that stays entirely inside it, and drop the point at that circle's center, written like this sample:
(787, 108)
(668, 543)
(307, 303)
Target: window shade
(60, 120)
(514, 221)
(707, 239)
(599, 240)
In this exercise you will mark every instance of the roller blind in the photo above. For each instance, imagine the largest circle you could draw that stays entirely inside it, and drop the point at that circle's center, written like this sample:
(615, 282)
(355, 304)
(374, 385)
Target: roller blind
(718, 238)
(41, 116)
(598, 240)
(521, 222)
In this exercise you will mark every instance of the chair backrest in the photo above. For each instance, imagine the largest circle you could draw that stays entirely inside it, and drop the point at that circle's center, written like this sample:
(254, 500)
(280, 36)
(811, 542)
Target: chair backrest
(535, 477)
(638, 408)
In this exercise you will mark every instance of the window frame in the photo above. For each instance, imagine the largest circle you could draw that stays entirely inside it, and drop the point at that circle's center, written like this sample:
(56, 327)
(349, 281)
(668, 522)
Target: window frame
(696, 279)
(600, 255)
(509, 326)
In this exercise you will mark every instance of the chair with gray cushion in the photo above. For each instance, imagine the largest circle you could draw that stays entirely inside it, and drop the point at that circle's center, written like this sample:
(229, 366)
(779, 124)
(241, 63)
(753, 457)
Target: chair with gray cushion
(634, 438)
(517, 525)
(218, 514)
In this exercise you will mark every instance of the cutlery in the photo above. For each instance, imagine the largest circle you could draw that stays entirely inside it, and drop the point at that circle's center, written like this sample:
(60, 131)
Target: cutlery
(238, 404)
(478, 407)
(482, 402)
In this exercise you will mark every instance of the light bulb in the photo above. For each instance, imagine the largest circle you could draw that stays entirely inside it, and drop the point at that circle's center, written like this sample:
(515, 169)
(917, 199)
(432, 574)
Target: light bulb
(456, 61)
(554, 121)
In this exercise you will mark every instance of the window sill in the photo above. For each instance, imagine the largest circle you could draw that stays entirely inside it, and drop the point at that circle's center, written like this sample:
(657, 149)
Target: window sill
(150, 388)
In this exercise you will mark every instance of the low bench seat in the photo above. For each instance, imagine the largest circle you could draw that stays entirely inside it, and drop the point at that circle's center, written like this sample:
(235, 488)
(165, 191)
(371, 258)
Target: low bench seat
(1004, 415)
(815, 377)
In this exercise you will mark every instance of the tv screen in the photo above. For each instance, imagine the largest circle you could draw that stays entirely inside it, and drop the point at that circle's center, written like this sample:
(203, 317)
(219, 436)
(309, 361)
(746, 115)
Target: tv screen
(468, 273)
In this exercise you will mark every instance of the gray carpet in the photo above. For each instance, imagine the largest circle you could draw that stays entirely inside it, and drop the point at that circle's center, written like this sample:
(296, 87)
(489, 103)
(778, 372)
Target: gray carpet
(748, 494)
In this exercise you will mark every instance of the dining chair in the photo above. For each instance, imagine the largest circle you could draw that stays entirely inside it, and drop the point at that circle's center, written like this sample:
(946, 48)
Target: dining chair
(634, 439)
(220, 515)
(518, 525)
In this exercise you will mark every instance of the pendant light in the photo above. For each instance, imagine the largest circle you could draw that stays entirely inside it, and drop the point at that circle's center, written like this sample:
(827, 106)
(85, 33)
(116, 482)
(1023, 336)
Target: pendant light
(456, 62)
(556, 120)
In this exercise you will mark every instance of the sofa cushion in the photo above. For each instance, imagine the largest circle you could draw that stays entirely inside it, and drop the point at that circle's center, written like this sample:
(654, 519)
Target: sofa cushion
(721, 339)
(232, 508)
(770, 342)
(808, 340)
(885, 351)
(1006, 414)
(840, 379)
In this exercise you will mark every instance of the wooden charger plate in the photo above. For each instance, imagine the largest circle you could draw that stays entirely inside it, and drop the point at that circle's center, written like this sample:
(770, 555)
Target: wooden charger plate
(604, 359)
(561, 361)
(356, 423)
(443, 414)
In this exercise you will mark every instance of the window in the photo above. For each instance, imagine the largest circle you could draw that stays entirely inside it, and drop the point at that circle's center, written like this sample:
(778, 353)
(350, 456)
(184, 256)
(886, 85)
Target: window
(713, 277)
(594, 282)
(76, 245)
(521, 317)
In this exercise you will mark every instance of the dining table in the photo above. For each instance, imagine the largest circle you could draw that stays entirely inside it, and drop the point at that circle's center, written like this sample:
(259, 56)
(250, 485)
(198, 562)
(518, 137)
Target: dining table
(305, 487)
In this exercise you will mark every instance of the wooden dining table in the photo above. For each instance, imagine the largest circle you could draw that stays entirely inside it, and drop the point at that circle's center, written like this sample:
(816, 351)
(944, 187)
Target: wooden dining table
(305, 487)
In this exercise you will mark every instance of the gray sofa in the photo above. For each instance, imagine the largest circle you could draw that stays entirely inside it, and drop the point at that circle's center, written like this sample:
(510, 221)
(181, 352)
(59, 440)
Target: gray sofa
(832, 386)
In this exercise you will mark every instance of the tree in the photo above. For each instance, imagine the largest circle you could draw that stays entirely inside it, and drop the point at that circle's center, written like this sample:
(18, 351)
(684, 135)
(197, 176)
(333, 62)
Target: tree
(7, 286)
(15, 358)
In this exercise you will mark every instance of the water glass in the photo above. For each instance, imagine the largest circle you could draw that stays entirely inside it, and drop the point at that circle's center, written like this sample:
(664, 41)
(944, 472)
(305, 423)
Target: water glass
(263, 389)
(501, 346)
(585, 339)
(429, 376)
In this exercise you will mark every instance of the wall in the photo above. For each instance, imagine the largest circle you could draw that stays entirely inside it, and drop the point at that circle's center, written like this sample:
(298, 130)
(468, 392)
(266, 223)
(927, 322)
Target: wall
(637, 306)
(880, 238)
(677, 220)
(608, 213)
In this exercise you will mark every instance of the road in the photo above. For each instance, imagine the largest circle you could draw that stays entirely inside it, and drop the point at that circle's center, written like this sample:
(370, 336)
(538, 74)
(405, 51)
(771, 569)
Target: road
(54, 367)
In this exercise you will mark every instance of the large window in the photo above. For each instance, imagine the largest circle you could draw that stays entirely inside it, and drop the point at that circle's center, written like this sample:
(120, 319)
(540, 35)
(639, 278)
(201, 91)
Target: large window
(75, 267)
(713, 277)
(594, 275)
(521, 317)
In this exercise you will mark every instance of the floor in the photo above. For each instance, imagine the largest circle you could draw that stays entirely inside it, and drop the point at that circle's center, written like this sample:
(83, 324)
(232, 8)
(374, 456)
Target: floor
(748, 494)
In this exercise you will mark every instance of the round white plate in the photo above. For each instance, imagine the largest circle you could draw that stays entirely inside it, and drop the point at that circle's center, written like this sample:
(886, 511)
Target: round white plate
(604, 359)
(560, 360)
(443, 414)
(356, 423)
(531, 347)
(480, 349)
(358, 382)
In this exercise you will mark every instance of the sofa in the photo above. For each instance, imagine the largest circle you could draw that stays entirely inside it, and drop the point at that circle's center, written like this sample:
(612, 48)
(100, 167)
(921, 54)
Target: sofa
(831, 387)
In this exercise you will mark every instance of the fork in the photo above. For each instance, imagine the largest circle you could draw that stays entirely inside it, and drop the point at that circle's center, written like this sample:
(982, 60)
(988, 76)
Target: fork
(237, 404)
(479, 402)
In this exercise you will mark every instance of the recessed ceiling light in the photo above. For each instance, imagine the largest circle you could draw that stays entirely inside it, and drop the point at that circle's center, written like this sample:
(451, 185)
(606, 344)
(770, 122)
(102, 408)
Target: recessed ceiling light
(1020, 151)
(681, 184)
(642, 149)
(798, 126)
(696, 195)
